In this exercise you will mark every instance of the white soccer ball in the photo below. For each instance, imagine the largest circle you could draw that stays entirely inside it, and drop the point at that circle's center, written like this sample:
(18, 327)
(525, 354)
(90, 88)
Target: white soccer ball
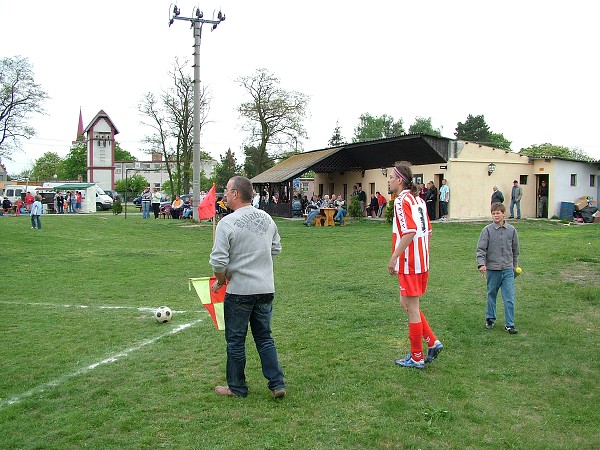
(163, 314)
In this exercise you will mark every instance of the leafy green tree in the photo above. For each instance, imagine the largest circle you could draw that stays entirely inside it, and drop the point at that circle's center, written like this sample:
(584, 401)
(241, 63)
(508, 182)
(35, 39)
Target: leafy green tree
(550, 150)
(498, 140)
(423, 125)
(75, 163)
(46, 167)
(473, 129)
(274, 117)
(256, 160)
(135, 184)
(354, 209)
(225, 169)
(377, 128)
(123, 155)
(337, 139)
(20, 97)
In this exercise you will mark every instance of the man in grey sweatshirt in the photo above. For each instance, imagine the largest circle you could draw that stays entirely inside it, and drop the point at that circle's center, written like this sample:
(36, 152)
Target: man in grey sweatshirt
(246, 242)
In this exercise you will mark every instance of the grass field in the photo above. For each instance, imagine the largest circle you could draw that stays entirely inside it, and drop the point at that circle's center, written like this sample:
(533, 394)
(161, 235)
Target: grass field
(85, 365)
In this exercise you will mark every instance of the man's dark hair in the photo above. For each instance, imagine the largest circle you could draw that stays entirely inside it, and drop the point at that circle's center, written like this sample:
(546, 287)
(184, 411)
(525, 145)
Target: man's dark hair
(243, 186)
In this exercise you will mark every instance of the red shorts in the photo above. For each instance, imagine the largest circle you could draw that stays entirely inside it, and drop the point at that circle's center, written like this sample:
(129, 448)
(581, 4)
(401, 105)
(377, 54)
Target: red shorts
(413, 284)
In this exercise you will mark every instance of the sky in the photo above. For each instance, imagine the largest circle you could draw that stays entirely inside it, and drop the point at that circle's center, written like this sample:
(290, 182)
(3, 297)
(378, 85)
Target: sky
(529, 67)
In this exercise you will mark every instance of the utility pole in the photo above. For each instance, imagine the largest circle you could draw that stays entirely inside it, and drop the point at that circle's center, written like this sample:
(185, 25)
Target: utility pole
(197, 22)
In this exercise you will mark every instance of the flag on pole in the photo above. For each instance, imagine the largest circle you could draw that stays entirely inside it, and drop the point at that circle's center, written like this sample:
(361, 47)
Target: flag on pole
(206, 208)
(213, 302)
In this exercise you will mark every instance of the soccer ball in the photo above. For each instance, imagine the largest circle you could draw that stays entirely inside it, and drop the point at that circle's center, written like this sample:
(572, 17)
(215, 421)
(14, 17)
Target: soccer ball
(163, 314)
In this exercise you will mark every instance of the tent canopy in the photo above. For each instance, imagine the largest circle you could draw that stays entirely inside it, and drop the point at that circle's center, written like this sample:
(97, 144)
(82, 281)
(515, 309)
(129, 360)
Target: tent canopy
(62, 187)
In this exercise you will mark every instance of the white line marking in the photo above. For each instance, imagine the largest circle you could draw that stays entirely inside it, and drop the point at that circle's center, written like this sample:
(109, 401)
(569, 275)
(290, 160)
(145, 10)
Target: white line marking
(54, 305)
(42, 387)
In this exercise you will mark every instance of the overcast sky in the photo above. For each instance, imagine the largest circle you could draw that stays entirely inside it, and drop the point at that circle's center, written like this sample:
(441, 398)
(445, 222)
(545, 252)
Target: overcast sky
(530, 67)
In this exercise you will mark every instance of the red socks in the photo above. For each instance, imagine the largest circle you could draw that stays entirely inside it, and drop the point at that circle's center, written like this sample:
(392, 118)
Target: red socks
(427, 332)
(415, 334)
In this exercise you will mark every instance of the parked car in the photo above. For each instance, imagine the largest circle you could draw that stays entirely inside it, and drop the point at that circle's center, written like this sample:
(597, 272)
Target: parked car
(114, 195)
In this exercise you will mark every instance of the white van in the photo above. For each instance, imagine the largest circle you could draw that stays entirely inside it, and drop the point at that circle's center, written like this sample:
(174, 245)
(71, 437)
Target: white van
(14, 191)
(103, 200)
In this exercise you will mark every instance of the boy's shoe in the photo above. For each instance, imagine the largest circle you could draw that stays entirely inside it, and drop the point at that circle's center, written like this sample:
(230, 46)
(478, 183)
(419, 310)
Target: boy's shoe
(433, 352)
(511, 330)
(489, 324)
(409, 362)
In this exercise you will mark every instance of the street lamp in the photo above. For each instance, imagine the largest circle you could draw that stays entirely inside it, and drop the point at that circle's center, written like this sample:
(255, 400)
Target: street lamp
(491, 168)
(197, 21)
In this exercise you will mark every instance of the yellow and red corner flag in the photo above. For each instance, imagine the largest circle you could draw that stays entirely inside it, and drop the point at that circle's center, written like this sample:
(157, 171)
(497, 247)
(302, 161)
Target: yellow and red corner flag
(206, 208)
(213, 302)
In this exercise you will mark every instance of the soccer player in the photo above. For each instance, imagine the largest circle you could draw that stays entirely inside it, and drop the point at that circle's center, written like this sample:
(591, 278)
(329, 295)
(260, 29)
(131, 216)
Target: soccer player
(410, 261)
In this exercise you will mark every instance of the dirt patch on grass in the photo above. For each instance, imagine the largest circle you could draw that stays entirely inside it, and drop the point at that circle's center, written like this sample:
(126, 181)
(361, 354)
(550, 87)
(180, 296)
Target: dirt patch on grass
(583, 272)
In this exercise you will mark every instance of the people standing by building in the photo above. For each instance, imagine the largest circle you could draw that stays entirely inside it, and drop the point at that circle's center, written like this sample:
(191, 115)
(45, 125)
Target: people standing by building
(373, 207)
(73, 202)
(146, 199)
(444, 199)
(362, 198)
(410, 262)
(18, 205)
(156, 202)
(78, 198)
(246, 243)
(28, 201)
(431, 200)
(497, 196)
(515, 200)
(497, 258)
(60, 203)
(542, 199)
(36, 212)
(423, 192)
(381, 203)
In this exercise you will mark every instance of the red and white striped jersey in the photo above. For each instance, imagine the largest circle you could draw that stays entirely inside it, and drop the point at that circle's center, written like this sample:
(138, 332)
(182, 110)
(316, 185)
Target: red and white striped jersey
(410, 216)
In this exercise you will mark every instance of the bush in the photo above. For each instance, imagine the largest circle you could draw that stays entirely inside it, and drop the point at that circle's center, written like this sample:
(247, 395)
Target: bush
(117, 207)
(389, 211)
(354, 209)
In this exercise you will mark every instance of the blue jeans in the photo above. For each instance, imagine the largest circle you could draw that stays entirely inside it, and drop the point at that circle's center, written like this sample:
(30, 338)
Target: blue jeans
(33, 221)
(311, 216)
(239, 310)
(339, 215)
(512, 207)
(505, 281)
(145, 210)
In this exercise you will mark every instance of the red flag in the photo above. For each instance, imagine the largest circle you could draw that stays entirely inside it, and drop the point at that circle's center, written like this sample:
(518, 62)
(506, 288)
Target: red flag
(213, 302)
(206, 208)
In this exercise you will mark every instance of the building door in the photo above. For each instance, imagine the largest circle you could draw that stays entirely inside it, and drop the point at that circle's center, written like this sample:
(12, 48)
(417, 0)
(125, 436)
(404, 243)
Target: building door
(438, 177)
(541, 210)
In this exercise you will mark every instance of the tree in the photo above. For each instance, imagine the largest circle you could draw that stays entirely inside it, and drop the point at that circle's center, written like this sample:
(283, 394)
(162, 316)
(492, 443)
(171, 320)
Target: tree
(377, 128)
(123, 155)
(474, 129)
(255, 159)
(337, 139)
(171, 116)
(498, 140)
(227, 168)
(20, 97)
(273, 116)
(46, 167)
(423, 125)
(75, 163)
(135, 184)
(550, 150)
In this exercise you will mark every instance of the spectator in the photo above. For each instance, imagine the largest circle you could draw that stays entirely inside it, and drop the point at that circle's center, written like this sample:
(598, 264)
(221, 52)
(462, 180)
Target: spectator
(431, 200)
(146, 202)
(497, 196)
(18, 205)
(381, 203)
(362, 198)
(29, 201)
(542, 199)
(341, 210)
(6, 204)
(176, 207)
(373, 207)
(444, 199)
(156, 202)
(515, 200)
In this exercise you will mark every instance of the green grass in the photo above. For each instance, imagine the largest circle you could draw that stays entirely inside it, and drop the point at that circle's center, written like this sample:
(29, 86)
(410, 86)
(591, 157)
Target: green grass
(338, 327)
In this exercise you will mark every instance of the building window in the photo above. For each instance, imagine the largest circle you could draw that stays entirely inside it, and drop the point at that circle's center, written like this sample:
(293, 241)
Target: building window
(157, 185)
(304, 186)
(573, 179)
(592, 180)
(417, 178)
(523, 180)
(118, 170)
